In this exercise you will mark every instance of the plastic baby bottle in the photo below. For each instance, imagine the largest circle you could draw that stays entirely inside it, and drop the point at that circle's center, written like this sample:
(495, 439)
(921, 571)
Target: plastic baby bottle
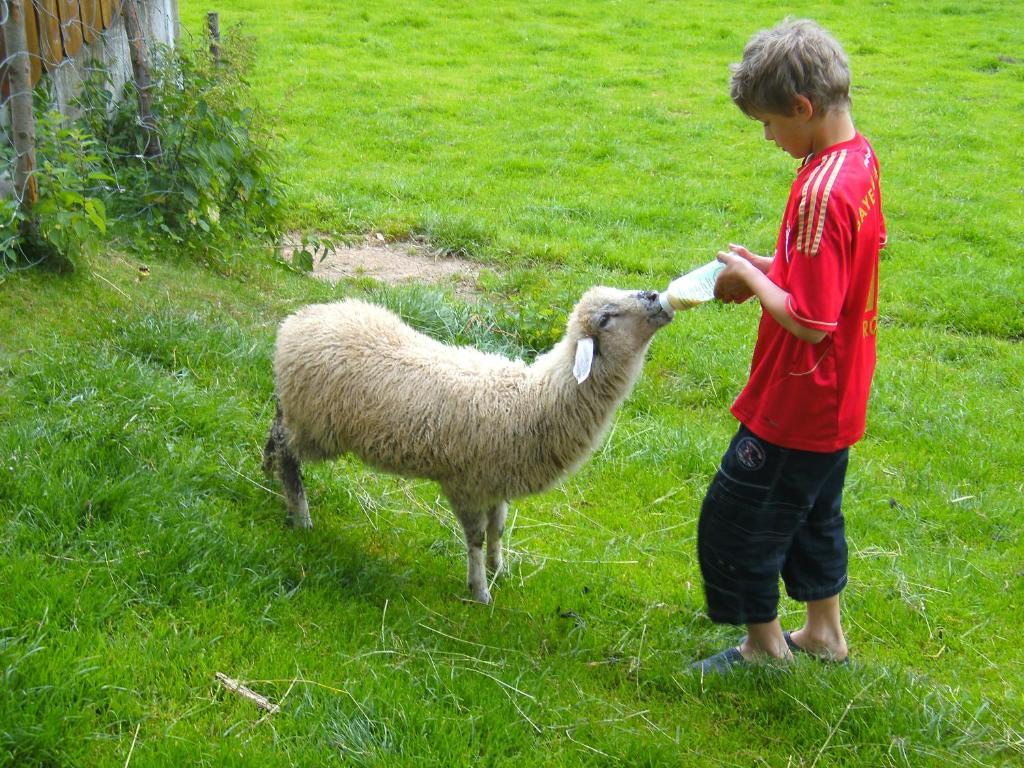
(691, 289)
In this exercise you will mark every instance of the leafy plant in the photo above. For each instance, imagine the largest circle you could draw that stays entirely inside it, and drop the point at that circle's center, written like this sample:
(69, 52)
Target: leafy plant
(9, 219)
(69, 219)
(213, 185)
(215, 180)
(70, 212)
(311, 250)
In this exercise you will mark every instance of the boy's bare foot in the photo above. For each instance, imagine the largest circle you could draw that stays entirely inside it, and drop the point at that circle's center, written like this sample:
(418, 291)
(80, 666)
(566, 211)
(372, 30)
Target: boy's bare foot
(765, 642)
(832, 649)
(754, 652)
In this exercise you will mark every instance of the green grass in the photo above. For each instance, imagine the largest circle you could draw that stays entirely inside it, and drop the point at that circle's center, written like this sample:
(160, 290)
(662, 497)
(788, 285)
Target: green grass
(562, 145)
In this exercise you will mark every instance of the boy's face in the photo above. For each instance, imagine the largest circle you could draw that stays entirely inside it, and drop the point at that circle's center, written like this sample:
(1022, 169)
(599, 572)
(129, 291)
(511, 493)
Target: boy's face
(792, 133)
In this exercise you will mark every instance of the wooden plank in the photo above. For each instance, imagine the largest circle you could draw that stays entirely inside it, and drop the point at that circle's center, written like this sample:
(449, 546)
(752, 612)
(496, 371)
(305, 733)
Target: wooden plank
(70, 27)
(107, 12)
(90, 15)
(50, 47)
(32, 36)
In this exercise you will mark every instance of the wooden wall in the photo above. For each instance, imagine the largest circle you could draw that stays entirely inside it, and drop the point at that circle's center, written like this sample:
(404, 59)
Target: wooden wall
(57, 29)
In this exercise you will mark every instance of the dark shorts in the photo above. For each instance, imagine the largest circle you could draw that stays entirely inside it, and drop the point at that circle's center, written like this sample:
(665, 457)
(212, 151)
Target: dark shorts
(771, 511)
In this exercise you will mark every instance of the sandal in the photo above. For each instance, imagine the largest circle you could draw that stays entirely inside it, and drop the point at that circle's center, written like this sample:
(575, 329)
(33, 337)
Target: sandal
(722, 662)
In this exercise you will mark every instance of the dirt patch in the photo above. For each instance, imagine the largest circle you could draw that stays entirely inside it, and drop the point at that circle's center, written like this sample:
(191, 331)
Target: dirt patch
(393, 263)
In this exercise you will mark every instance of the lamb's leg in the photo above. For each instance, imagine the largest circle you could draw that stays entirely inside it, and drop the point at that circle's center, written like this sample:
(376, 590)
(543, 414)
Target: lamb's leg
(495, 529)
(290, 473)
(278, 458)
(473, 526)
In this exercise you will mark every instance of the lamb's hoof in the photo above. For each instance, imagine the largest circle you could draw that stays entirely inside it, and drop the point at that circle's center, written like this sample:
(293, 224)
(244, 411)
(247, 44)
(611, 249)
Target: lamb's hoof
(301, 523)
(495, 565)
(482, 595)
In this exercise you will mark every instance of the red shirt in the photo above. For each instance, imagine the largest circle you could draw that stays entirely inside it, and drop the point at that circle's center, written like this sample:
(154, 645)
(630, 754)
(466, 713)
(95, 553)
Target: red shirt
(814, 397)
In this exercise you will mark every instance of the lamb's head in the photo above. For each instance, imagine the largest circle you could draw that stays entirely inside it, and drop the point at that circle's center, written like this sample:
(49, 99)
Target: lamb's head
(612, 328)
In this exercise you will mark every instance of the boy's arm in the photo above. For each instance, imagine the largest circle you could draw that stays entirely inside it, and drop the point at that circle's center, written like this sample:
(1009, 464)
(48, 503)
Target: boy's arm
(740, 269)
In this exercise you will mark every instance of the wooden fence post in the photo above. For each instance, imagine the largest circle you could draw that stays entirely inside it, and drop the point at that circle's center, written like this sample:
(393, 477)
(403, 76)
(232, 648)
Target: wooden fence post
(213, 25)
(23, 125)
(140, 69)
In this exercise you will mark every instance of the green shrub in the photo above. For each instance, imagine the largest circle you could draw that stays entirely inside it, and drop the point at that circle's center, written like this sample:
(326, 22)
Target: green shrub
(215, 180)
(70, 211)
(212, 190)
(69, 214)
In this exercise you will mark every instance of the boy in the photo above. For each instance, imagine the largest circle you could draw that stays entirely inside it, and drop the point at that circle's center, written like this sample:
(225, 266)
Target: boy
(774, 506)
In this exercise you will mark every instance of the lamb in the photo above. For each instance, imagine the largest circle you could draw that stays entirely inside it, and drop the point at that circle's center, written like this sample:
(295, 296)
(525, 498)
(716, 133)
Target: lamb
(352, 377)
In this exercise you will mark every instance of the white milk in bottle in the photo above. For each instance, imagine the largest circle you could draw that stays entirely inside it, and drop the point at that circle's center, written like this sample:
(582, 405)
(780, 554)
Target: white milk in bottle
(691, 289)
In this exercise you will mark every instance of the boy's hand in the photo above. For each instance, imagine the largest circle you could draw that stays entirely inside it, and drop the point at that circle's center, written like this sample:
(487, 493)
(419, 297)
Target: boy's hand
(763, 263)
(732, 284)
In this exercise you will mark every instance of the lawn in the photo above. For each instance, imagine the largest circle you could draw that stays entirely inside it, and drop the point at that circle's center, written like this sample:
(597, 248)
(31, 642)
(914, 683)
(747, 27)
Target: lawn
(560, 145)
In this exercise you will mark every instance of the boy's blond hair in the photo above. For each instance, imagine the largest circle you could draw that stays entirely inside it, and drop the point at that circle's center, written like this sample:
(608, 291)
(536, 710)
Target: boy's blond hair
(796, 57)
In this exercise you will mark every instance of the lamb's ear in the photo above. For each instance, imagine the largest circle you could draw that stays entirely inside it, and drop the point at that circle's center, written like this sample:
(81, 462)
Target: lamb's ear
(584, 359)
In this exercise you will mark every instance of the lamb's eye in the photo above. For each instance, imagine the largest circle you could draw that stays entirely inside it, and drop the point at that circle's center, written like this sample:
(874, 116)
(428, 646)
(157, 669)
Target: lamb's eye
(605, 319)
